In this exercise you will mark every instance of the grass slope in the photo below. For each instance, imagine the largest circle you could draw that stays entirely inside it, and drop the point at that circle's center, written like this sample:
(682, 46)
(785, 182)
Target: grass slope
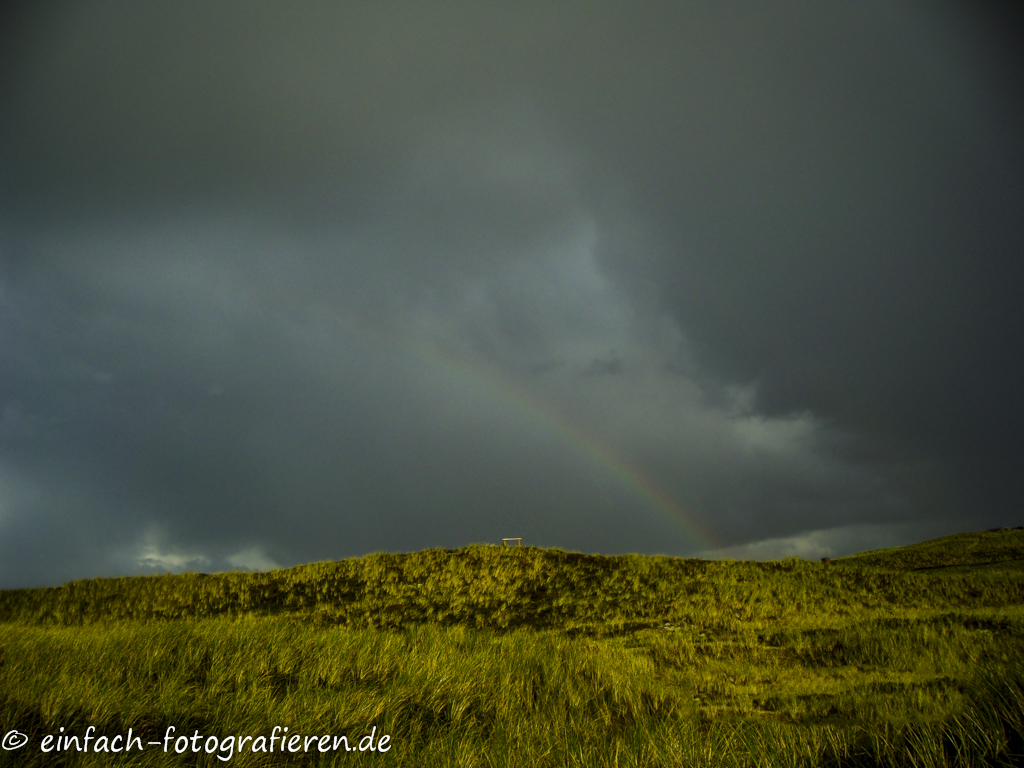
(540, 657)
(1003, 548)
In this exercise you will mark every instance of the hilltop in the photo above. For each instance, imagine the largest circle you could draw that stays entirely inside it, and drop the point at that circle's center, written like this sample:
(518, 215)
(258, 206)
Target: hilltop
(501, 589)
(1002, 547)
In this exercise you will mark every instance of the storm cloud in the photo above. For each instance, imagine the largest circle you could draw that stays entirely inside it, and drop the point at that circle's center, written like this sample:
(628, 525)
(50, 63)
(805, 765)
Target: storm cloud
(289, 283)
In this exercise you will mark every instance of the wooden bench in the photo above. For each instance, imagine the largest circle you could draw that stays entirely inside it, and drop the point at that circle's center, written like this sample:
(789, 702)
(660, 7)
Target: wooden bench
(504, 542)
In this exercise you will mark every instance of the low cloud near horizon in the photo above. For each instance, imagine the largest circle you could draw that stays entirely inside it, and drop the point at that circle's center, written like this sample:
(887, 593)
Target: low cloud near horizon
(282, 284)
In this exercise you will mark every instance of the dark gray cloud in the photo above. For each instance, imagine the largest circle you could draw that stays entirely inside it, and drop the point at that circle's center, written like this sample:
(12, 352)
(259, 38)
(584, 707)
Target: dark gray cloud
(607, 366)
(284, 284)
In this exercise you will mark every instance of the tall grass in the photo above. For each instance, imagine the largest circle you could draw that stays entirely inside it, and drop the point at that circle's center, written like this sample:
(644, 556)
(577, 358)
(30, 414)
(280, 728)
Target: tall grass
(526, 657)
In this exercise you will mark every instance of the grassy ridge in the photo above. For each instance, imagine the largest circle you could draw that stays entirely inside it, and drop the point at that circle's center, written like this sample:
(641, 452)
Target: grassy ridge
(1003, 548)
(529, 657)
(499, 588)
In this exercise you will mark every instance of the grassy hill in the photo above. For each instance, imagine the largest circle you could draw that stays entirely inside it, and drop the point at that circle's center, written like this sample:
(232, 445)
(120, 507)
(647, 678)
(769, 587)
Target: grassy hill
(538, 657)
(503, 588)
(1003, 548)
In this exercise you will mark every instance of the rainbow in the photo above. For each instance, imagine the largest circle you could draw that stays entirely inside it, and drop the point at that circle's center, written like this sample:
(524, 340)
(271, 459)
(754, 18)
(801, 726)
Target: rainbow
(625, 472)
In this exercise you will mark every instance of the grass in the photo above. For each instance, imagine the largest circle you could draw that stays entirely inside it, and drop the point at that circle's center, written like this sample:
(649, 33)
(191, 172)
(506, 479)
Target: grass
(491, 656)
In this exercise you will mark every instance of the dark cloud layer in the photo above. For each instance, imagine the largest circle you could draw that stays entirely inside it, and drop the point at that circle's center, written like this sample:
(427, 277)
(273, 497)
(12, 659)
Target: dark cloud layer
(280, 284)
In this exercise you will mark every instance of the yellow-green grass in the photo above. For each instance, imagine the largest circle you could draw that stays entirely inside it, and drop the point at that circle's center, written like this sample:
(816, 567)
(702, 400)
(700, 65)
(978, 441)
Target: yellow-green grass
(496, 656)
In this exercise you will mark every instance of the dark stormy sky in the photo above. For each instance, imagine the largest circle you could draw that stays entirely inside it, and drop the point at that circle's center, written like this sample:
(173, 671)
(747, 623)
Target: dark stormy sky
(290, 282)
